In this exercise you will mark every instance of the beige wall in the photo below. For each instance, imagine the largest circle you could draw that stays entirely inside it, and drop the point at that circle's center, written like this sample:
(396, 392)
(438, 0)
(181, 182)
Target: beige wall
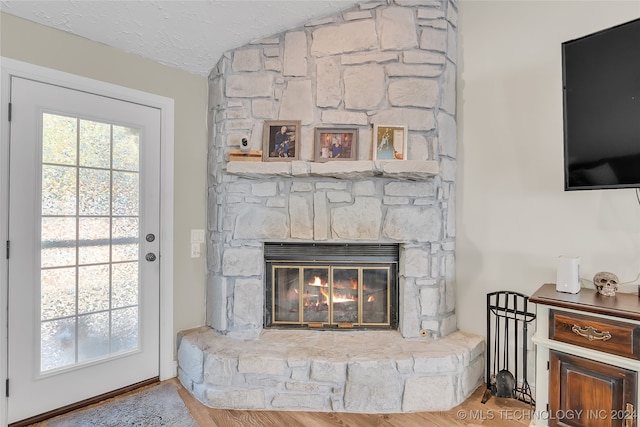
(28, 42)
(514, 219)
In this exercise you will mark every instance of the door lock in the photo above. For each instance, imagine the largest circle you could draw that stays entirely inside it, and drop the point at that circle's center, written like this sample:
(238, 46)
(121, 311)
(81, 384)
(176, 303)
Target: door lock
(150, 257)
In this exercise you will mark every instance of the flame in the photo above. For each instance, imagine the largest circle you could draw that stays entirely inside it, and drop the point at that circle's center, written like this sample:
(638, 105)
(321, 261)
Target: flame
(343, 299)
(337, 296)
(317, 282)
(317, 296)
(342, 292)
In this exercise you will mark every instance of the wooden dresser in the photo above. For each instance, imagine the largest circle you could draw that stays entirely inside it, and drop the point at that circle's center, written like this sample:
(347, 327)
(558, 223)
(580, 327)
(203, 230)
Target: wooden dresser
(587, 358)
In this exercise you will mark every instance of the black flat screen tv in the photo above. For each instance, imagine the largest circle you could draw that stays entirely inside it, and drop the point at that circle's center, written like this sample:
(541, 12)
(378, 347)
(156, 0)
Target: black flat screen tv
(601, 86)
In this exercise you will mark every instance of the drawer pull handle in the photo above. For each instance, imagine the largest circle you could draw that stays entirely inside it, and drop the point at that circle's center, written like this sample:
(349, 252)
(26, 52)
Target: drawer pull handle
(591, 333)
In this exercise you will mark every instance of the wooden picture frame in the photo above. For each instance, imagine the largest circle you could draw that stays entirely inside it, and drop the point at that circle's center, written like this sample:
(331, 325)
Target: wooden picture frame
(278, 146)
(335, 144)
(389, 142)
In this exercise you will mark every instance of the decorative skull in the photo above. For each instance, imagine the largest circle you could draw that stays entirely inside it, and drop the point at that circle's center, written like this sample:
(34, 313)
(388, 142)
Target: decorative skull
(606, 283)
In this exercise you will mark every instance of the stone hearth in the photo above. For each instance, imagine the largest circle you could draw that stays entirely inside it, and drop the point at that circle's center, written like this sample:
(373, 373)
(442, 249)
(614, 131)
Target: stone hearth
(387, 63)
(356, 371)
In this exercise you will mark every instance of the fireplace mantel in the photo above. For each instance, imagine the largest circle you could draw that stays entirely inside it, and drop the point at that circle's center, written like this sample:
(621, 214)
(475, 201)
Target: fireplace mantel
(414, 170)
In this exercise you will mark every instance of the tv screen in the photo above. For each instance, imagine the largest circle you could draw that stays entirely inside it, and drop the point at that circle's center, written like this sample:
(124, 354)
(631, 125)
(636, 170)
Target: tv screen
(601, 84)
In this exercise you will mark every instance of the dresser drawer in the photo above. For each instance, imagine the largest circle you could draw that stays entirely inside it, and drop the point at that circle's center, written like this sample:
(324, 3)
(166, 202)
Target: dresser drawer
(609, 336)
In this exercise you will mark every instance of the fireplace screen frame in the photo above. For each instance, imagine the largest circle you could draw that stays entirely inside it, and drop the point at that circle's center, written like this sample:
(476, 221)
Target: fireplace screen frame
(363, 258)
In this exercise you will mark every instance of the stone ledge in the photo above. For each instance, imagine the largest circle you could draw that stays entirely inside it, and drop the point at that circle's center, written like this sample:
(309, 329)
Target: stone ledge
(344, 371)
(414, 170)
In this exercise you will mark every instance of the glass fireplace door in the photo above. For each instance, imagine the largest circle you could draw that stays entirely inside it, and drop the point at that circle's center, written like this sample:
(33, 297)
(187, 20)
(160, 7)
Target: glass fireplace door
(331, 296)
(315, 295)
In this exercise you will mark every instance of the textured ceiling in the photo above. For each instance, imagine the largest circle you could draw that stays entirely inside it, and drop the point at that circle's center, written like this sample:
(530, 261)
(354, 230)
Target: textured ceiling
(191, 35)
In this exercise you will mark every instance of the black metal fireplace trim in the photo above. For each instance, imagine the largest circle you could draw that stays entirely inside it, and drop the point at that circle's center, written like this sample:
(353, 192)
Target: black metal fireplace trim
(329, 251)
(350, 254)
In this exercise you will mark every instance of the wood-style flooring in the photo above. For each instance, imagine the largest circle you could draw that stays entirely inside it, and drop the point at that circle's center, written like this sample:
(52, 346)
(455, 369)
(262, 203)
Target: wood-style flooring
(496, 412)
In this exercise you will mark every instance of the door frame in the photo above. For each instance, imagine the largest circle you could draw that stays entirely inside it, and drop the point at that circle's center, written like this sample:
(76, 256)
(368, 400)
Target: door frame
(11, 67)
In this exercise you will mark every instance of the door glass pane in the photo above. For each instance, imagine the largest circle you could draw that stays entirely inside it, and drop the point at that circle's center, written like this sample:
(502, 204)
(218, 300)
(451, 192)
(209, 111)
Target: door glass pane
(125, 284)
(57, 343)
(58, 293)
(59, 134)
(93, 336)
(94, 240)
(58, 190)
(90, 202)
(316, 295)
(345, 295)
(125, 148)
(94, 192)
(125, 193)
(124, 329)
(286, 290)
(58, 241)
(125, 239)
(95, 144)
(375, 295)
(93, 288)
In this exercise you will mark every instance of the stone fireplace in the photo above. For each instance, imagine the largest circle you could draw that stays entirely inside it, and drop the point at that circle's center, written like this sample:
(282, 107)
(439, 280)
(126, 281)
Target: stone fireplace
(383, 62)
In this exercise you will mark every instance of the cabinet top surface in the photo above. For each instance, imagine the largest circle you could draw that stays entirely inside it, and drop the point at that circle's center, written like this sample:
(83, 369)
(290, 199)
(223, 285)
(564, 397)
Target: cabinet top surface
(626, 306)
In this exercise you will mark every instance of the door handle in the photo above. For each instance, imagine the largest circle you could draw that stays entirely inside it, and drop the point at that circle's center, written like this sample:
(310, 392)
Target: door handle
(150, 257)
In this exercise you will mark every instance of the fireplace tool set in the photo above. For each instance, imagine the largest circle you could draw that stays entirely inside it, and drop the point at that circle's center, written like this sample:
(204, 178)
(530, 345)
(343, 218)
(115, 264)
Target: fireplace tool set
(508, 319)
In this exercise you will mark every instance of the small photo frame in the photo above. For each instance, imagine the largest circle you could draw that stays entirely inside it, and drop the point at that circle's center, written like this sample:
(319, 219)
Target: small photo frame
(281, 140)
(389, 142)
(333, 144)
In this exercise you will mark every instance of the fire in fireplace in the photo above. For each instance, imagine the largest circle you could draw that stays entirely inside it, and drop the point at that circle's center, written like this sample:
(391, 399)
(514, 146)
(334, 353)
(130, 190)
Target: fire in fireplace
(331, 286)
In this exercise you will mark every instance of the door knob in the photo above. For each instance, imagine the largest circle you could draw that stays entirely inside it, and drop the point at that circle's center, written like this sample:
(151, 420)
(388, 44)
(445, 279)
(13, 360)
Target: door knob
(150, 237)
(150, 257)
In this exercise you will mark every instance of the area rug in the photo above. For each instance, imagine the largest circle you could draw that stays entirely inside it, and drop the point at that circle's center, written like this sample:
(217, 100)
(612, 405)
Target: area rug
(158, 406)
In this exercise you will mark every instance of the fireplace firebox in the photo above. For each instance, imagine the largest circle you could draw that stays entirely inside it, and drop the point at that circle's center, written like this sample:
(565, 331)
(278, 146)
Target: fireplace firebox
(331, 286)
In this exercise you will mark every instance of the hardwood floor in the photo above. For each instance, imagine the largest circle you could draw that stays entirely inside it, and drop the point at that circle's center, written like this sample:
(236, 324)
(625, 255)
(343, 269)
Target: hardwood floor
(497, 412)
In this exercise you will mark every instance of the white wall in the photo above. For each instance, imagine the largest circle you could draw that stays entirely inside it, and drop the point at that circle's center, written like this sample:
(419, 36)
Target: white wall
(514, 218)
(36, 44)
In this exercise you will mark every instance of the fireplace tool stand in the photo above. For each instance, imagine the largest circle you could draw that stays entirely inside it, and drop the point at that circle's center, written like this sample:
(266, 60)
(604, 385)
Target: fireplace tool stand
(508, 319)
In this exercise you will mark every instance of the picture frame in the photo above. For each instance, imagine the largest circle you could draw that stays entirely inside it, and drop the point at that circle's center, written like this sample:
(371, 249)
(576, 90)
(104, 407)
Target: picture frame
(278, 146)
(335, 144)
(389, 142)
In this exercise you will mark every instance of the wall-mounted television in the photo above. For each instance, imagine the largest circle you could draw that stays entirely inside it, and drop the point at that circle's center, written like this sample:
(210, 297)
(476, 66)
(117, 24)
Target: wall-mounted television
(601, 85)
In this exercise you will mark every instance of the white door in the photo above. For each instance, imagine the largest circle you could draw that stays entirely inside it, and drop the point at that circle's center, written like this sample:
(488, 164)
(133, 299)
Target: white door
(83, 315)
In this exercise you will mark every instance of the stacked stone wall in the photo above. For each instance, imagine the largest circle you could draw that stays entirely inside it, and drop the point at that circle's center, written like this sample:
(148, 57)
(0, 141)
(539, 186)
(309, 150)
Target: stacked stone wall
(379, 63)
